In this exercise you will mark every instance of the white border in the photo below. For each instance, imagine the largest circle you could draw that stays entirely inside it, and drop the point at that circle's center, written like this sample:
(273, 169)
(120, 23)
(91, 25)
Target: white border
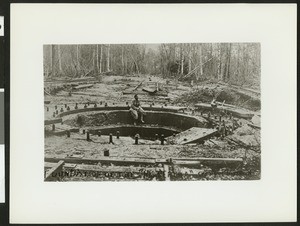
(273, 198)
(2, 174)
(2, 165)
(2, 25)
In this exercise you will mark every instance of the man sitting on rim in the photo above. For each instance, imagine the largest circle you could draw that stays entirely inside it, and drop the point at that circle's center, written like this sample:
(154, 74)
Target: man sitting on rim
(136, 109)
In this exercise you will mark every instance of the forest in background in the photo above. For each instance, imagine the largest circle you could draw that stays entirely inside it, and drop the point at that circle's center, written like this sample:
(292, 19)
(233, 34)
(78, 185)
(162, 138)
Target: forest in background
(235, 63)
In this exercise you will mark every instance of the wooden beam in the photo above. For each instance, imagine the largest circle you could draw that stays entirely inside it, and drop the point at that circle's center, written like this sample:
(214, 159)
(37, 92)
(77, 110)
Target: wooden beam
(192, 135)
(51, 174)
(114, 160)
(227, 160)
(52, 121)
(253, 126)
(148, 161)
(236, 112)
(130, 92)
(149, 90)
(137, 86)
(83, 86)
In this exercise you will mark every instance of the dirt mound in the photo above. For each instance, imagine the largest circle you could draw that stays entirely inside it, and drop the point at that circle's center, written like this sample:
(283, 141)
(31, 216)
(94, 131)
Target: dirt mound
(87, 120)
(206, 94)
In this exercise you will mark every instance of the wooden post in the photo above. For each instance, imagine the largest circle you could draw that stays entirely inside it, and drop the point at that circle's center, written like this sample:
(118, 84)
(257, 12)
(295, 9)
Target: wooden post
(156, 136)
(106, 152)
(166, 172)
(162, 140)
(110, 138)
(136, 139)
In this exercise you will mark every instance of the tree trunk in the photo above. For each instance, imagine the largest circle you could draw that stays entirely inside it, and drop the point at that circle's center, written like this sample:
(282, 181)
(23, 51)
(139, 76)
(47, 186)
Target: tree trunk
(181, 60)
(107, 59)
(238, 61)
(77, 58)
(220, 77)
(52, 60)
(122, 60)
(190, 57)
(59, 59)
(228, 61)
(94, 59)
(101, 59)
(97, 59)
(211, 63)
(200, 62)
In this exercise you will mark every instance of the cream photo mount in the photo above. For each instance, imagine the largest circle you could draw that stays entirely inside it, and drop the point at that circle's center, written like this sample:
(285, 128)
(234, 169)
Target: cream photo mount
(273, 198)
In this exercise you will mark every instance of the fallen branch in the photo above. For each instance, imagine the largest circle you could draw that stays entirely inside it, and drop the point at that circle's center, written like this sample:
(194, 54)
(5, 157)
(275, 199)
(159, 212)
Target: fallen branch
(138, 86)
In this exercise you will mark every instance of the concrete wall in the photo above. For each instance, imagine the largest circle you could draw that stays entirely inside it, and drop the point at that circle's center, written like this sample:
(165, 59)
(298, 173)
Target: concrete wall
(145, 132)
(168, 119)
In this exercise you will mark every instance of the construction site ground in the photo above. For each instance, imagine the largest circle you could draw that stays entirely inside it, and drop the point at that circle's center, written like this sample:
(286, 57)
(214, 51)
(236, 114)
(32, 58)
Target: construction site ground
(243, 142)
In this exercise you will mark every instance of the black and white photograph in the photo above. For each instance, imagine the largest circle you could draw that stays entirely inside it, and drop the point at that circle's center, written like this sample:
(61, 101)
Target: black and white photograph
(152, 112)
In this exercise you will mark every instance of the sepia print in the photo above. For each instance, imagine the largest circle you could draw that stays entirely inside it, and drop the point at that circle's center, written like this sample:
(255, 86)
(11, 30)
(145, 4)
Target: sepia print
(152, 112)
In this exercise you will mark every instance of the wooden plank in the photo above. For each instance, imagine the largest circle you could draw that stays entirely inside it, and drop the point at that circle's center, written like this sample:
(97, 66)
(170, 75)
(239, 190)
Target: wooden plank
(237, 112)
(137, 86)
(83, 86)
(50, 175)
(227, 160)
(115, 169)
(113, 160)
(192, 135)
(88, 94)
(149, 90)
(253, 126)
(185, 162)
(226, 105)
(189, 171)
(52, 121)
(62, 132)
(160, 93)
(48, 165)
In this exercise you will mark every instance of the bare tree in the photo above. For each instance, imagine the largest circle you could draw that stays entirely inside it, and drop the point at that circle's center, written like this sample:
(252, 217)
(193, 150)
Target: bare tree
(97, 58)
(190, 57)
(200, 73)
(101, 59)
(52, 57)
(181, 59)
(108, 58)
